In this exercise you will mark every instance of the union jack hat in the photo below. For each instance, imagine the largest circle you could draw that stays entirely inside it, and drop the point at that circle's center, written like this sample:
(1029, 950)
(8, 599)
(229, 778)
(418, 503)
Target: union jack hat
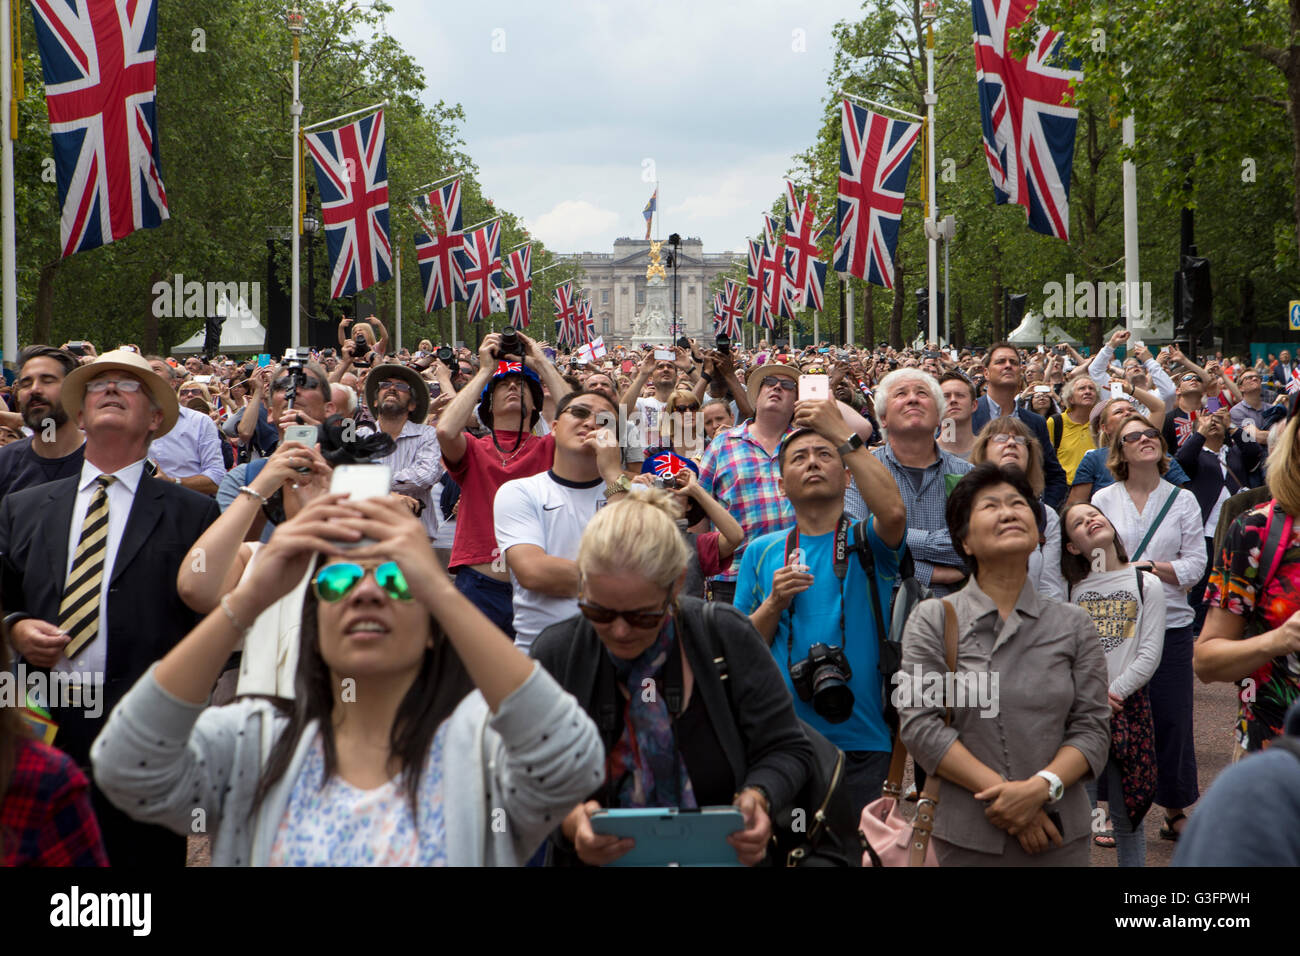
(667, 464)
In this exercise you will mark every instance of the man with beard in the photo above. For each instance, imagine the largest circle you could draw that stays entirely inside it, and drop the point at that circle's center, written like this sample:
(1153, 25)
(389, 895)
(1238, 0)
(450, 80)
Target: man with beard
(643, 411)
(398, 398)
(55, 451)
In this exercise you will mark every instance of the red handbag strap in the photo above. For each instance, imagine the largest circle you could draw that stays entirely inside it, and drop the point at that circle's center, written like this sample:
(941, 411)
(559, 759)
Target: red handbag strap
(1274, 545)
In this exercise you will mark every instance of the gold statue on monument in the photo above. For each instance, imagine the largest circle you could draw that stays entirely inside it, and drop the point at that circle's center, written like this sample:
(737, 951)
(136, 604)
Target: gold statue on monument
(656, 267)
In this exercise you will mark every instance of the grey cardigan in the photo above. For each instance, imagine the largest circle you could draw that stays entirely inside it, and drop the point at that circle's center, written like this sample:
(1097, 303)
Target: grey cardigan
(508, 779)
(1052, 684)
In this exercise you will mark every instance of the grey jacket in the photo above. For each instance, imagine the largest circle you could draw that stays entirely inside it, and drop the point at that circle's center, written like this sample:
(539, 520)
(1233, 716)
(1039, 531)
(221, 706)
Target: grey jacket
(195, 769)
(1051, 691)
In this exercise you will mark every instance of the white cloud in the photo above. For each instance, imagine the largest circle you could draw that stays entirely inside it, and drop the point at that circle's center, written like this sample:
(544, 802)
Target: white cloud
(572, 222)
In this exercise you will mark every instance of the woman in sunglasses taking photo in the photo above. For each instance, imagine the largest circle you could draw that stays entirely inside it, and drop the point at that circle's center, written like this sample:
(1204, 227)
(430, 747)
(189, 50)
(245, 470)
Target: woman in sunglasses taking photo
(418, 734)
(697, 742)
(1162, 530)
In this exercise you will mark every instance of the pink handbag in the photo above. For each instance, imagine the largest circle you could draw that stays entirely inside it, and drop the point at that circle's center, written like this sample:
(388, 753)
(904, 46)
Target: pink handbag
(888, 837)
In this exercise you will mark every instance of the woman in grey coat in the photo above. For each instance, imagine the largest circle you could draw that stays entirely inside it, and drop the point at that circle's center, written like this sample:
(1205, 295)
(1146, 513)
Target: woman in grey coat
(1030, 718)
(418, 736)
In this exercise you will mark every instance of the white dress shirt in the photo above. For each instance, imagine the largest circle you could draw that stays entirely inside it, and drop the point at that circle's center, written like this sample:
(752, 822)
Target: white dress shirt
(417, 466)
(121, 494)
(1180, 539)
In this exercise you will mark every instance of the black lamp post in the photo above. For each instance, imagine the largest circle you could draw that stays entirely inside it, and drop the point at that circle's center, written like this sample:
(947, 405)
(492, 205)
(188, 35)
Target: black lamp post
(675, 241)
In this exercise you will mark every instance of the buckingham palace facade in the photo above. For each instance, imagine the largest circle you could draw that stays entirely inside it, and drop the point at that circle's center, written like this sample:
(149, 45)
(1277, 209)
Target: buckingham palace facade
(617, 284)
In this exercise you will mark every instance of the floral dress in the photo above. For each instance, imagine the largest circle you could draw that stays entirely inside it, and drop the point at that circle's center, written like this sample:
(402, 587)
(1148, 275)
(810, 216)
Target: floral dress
(1234, 586)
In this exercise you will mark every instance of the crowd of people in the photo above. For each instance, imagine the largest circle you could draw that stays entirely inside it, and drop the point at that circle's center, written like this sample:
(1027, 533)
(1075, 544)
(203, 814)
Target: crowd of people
(668, 576)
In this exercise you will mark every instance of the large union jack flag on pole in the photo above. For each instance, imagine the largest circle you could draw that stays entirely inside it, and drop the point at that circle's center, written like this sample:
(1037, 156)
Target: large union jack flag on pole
(519, 295)
(754, 282)
(730, 310)
(586, 320)
(440, 215)
(1028, 132)
(566, 314)
(778, 293)
(99, 63)
(352, 175)
(875, 155)
(480, 261)
(804, 269)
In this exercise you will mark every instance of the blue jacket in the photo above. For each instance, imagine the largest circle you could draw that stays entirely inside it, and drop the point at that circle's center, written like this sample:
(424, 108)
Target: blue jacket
(1055, 486)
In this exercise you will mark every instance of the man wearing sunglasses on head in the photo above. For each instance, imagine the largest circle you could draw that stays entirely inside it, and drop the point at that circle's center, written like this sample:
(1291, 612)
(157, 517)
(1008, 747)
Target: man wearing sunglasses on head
(539, 519)
(398, 398)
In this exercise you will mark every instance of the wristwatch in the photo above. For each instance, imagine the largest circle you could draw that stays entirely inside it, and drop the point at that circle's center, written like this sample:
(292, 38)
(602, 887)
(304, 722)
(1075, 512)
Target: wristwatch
(621, 484)
(1055, 789)
(853, 444)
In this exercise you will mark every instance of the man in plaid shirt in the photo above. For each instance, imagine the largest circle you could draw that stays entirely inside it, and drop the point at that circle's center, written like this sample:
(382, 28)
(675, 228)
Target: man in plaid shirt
(740, 467)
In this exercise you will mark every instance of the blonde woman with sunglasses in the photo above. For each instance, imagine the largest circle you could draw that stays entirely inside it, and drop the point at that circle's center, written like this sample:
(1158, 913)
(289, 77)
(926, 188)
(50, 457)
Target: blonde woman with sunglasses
(418, 735)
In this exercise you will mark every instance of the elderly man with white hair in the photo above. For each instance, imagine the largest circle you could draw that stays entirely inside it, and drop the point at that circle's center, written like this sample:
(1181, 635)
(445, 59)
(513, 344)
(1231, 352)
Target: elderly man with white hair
(908, 407)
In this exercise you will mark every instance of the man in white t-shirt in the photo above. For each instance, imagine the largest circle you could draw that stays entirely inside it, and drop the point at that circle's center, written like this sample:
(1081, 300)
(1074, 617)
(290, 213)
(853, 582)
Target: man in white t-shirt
(643, 411)
(539, 520)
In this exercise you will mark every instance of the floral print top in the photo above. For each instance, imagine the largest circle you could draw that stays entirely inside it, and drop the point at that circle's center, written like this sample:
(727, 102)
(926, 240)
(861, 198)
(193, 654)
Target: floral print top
(1234, 586)
(332, 823)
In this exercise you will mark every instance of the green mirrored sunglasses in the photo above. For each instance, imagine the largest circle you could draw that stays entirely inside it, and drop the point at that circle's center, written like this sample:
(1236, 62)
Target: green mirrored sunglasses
(334, 582)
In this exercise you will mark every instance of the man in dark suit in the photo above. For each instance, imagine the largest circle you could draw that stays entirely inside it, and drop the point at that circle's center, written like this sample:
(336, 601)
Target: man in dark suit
(88, 568)
(1003, 384)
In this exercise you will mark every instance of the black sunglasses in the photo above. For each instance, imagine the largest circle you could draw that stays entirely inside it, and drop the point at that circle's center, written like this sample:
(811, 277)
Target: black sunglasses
(779, 381)
(402, 387)
(1132, 438)
(637, 619)
(281, 385)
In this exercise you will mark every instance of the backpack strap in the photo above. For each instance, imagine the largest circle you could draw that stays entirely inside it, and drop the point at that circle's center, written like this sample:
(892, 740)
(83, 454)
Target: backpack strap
(1141, 597)
(1156, 524)
(1277, 535)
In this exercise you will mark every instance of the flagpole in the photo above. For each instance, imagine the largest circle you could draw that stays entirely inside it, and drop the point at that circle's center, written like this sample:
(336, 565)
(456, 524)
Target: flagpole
(8, 260)
(1133, 305)
(295, 20)
(398, 251)
(342, 116)
(453, 323)
(848, 295)
(880, 106)
(933, 221)
(436, 182)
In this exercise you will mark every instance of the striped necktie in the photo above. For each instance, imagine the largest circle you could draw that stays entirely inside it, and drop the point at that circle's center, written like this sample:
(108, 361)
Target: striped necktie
(79, 609)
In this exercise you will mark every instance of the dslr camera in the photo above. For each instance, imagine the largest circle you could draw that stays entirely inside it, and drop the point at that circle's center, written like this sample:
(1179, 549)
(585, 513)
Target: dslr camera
(823, 678)
(510, 344)
(446, 356)
(723, 343)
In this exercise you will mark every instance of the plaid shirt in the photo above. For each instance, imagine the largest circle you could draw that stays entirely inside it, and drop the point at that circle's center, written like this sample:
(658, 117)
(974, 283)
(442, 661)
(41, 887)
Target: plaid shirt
(927, 527)
(739, 472)
(46, 817)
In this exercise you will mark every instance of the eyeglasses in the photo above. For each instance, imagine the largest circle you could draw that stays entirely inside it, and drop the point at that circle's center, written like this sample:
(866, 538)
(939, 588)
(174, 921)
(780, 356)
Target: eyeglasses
(121, 384)
(580, 412)
(1190, 378)
(637, 619)
(334, 582)
(1003, 437)
(281, 385)
(1132, 438)
(692, 407)
(779, 381)
(402, 387)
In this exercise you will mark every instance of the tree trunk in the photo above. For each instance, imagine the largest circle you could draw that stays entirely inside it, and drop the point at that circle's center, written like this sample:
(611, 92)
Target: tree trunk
(149, 341)
(45, 303)
(997, 298)
(958, 326)
(896, 314)
(869, 314)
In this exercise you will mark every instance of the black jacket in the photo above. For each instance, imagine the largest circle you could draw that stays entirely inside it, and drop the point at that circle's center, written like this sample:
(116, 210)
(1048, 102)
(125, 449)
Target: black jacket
(1202, 467)
(764, 742)
(1055, 486)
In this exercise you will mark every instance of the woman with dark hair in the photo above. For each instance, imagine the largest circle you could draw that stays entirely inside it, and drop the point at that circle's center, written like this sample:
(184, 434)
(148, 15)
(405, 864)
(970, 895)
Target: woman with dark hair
(1008, 442)
(45, 813)
(1161, 529)
(1028, 712)
(390, 754)
(1127, 607)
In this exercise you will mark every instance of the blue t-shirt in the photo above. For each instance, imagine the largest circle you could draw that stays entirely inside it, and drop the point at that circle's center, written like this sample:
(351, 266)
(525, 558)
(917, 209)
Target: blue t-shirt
(816, 615)
(1092, 470)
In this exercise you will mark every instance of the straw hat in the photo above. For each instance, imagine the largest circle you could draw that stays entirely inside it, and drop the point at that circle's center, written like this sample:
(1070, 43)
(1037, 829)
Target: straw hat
(122, 360)
(760, 372)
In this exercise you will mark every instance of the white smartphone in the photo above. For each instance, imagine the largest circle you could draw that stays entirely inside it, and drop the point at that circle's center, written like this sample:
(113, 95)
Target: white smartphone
(301, 433)
(814, 387)
(202, 379)
(1043, 388)
(1117, 389)
(666, 355)
(361, 482)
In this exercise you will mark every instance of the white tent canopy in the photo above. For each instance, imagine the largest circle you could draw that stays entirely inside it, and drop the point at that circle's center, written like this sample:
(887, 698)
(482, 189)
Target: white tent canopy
(237, 335)
(1030, 332)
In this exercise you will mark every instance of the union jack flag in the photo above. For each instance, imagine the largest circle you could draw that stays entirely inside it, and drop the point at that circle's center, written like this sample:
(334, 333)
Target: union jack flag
(875, 155)
(730, 311)
(566, 314)
(778, 292)
(440, 214)
(519, 295)
(804, 269)
(667, 465)
(480, 262)
(755, 283)
(99, 61)
(586, 320)
(352, 176)
(1293, 383)
(508, 368)
(1183, 428)
(717, 310)
(1028, 132)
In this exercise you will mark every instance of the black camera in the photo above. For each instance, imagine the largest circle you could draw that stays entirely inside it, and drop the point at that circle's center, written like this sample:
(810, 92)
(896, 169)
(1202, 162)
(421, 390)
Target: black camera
(823, 678)
(510, 344)
(292, 363)
(723, 343)
(446, 356)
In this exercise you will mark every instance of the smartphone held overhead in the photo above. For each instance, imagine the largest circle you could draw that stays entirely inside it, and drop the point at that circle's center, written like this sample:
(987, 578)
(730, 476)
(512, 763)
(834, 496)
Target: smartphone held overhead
(815, 388)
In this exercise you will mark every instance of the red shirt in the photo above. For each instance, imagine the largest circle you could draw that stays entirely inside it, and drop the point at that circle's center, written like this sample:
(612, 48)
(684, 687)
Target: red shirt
(480, 473)
(46, 817)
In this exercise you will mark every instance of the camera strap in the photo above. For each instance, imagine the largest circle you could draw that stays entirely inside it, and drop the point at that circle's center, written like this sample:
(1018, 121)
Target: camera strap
(841, 566)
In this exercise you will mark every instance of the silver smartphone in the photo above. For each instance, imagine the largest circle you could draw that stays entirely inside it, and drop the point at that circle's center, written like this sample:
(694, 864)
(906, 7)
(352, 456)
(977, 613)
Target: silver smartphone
(360, 482)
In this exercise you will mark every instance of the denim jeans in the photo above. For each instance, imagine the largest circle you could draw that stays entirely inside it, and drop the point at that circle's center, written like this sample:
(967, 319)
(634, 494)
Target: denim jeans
(1130, 841)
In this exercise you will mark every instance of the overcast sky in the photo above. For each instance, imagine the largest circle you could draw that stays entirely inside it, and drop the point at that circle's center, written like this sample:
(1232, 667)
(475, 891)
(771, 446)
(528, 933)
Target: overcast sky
(584, 101)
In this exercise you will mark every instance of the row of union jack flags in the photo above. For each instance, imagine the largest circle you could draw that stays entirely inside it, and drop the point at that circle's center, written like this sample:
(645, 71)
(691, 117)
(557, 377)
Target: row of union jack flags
(99, 60)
